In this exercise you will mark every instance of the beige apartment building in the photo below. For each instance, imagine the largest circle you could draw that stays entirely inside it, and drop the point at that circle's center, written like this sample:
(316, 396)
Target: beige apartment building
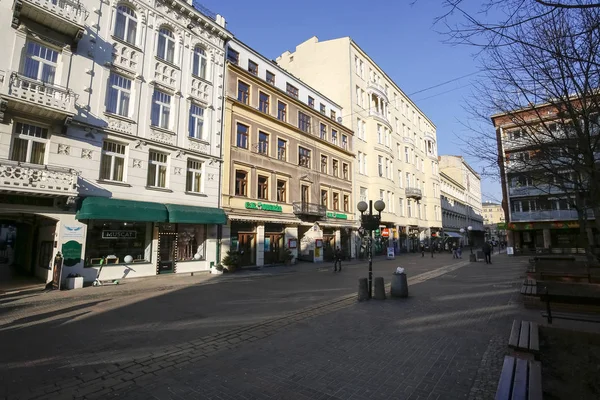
(394, 142)
(287, 177)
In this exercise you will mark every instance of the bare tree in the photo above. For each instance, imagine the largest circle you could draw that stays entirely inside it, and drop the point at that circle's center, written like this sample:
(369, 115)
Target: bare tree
(542, 81)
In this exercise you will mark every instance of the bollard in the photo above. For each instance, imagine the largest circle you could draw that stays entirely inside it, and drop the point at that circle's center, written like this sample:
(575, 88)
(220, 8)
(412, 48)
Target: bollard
(472, 258)
(363, 289)
(399, 286)
(379, 288)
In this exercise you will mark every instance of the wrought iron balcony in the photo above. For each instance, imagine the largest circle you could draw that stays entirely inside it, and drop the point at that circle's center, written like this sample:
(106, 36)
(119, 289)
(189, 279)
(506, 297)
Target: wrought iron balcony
(64, 16)
(414, 193)
(40, 179)
(37, 98)
(316, 210)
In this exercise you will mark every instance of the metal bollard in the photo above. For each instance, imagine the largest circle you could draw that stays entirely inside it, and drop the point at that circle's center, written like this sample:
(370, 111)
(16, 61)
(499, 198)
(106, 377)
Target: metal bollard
(379, 288)
(399, 285)
(363, 289)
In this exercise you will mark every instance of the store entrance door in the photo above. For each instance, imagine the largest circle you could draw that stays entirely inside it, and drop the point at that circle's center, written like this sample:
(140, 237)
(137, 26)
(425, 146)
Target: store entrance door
(167, 252)
(246, 246)
(273, 248)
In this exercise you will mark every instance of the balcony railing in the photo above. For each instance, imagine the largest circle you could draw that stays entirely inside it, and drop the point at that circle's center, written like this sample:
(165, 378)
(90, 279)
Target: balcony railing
(380, 89)
(65, 16)
(374, 113)
(414, 193)
(33, 178)
(302, 208)
(537, 190)
(44, 96)
(546, 215)
(407, 139)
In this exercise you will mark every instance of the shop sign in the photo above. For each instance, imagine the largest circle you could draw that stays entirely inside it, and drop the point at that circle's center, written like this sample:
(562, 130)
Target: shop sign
(336, 215)
(501, 226)
(263, 206)
(116, 234)
(71, 252)
(385, 232)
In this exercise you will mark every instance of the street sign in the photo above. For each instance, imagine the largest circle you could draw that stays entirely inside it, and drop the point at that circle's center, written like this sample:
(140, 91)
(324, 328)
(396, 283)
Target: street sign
(385, 232)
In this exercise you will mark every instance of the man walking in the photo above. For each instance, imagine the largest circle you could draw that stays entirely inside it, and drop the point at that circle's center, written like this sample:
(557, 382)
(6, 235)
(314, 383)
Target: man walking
(337, 259)
(487, 251)
(422, 249)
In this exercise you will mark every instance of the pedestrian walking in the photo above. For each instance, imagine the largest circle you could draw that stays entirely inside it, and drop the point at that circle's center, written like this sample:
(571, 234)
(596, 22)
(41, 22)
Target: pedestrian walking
(422, 249)
(487, 251)
(459, 251)
(432, 246)
(454, 251)
(337, 259)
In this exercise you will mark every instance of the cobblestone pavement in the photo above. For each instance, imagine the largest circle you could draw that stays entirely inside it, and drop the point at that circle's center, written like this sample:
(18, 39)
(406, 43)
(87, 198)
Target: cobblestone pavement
(436, 344)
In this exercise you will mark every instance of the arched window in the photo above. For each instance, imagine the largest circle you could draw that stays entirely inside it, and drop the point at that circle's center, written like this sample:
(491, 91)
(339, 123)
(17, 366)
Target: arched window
(199, 67)
(166, 45)
(126, 24)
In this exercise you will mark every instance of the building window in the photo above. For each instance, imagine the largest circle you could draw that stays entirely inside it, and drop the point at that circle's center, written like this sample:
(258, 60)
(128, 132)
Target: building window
(270, 77)
(281, 191)
(311, 102)
(387, 168)
(346, 203)
(243, 92)
(199, 64)
(382, 195)
(119, 93)
(161, 109)
(336, 201)
(303, 157)
(324, 163)
(112, 162)
(241, 183)
(406, 155)
(336, 168)
(345, 171)
(157, 170)
(379, 135)
(401, 204)
(233, 56)
(166, 45)
(409, 208)
(400, 178)
(40, 63)
(252, 67)
(242, 136)
(380, 165)
(292, 90)
(334, 136)
(263, 187)
(29, 144)
(263, 143)
(304, 122)
(281, 150)
(193, 182)
(196, 128)
(281, 111)
(263, 102)
(305, 193)
(323, 131)
(322, 108)
(332, 114)
(324, 197)
(345, 142)
(126, 24)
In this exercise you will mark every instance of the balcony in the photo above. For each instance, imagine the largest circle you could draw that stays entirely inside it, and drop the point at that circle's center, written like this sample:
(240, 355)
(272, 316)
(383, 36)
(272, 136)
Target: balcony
(28, 96)
(378, 89)
(414, 193)
(408, 140)
(546, 215)
(37, 179)
(309, 209)
(540, 190)
(64, 16)
(380, 116)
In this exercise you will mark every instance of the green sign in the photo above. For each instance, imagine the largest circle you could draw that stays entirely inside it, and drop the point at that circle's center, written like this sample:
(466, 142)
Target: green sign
(336, 215)
(71, 252)
(501, 225)
(263, 206)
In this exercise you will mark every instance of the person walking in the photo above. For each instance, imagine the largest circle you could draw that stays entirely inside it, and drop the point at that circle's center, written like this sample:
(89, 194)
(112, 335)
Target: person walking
(487, 251)
(454, 251)
(422, 249)
(337, 259)
(432, 247)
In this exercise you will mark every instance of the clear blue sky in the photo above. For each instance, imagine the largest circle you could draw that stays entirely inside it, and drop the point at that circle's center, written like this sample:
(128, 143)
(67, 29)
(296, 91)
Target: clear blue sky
(399, 36)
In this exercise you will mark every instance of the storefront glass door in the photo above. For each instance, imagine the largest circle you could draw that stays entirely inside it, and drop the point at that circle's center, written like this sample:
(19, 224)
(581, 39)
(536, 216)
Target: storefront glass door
(273, 248)
(167, 252)
(247, 248)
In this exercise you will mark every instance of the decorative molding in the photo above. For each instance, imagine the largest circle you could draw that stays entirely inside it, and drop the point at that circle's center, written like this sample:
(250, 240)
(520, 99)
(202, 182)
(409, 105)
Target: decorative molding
(177, 171)
(137, 163)
(180, 154)
(64, 149)
(140, 144)
(211, 177)
(120, 125)
(200, 147)
(163, 137)
(86, 153)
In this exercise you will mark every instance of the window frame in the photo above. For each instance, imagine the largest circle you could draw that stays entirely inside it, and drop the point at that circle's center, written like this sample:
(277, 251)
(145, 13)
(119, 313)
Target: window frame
(241, 93)
(324, 164)
(190, 183)
(285, 149)
(113, 156)
(263, 146)
(324, 198)
(264, 106)
(34, 55)
(335, 167)
(234, 60)
(120, 91)
(252, 67)
(161, 106)
(241, 191)
(198, 120)
(307, 157)
(311, 102)
(199, 61)
(264, 187)
(169, 40)
(304, 122)
(18, 135)
(291, 90)
(281, 112)
(127, 19)
(245, 134)
(268, 75)
(282, 191)
(157, 171)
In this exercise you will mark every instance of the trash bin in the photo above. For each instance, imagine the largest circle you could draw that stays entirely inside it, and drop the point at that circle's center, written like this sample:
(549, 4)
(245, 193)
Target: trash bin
(399, 285)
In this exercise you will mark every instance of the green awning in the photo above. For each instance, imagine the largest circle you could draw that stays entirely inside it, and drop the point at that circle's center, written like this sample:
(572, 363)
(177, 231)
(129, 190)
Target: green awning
(121, 210)
(195, 215)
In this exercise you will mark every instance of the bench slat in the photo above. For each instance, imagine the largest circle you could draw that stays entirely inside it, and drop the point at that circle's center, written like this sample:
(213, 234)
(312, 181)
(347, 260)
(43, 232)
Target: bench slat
(524, 337)
(506, 379)
(534, 339)
(535, 380)
(529, 289)
(534, 290)
(519, 391)
(523, 289)
(514, 334)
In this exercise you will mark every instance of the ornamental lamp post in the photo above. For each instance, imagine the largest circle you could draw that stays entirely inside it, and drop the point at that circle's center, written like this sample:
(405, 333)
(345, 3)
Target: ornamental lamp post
(468, 231)
(370, 222)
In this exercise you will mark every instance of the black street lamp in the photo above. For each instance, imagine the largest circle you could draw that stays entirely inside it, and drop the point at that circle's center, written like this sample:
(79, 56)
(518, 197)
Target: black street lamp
(469, 238)
(370, 222)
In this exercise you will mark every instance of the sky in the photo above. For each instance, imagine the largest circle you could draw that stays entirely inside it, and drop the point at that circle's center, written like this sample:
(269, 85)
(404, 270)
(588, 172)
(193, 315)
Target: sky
(400, 36)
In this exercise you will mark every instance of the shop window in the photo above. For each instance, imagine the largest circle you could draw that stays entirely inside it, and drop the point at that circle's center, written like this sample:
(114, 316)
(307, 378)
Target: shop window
(241, 183)
(157, 169)
(112, 162)
(191, 242)
(281, 190)
(263, 187)
(113, 241)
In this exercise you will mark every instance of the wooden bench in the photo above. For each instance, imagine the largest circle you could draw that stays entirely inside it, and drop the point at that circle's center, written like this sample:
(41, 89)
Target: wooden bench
(524, 336)
(520, 379)
(529, 287)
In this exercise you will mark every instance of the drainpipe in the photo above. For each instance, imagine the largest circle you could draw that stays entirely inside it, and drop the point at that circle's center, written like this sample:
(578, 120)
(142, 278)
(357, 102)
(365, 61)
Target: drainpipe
(222, 128)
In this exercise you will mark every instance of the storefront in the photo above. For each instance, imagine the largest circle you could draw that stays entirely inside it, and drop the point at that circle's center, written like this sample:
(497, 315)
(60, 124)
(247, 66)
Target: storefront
(554, 235)
(133, 238)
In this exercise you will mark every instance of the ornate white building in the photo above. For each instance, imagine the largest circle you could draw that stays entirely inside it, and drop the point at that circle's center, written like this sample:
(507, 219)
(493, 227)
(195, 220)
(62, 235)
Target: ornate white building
(110, 141)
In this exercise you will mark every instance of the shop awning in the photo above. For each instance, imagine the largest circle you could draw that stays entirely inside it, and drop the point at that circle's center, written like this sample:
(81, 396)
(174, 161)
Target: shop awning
(453, 234)
(121, 210)
(195, 215)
